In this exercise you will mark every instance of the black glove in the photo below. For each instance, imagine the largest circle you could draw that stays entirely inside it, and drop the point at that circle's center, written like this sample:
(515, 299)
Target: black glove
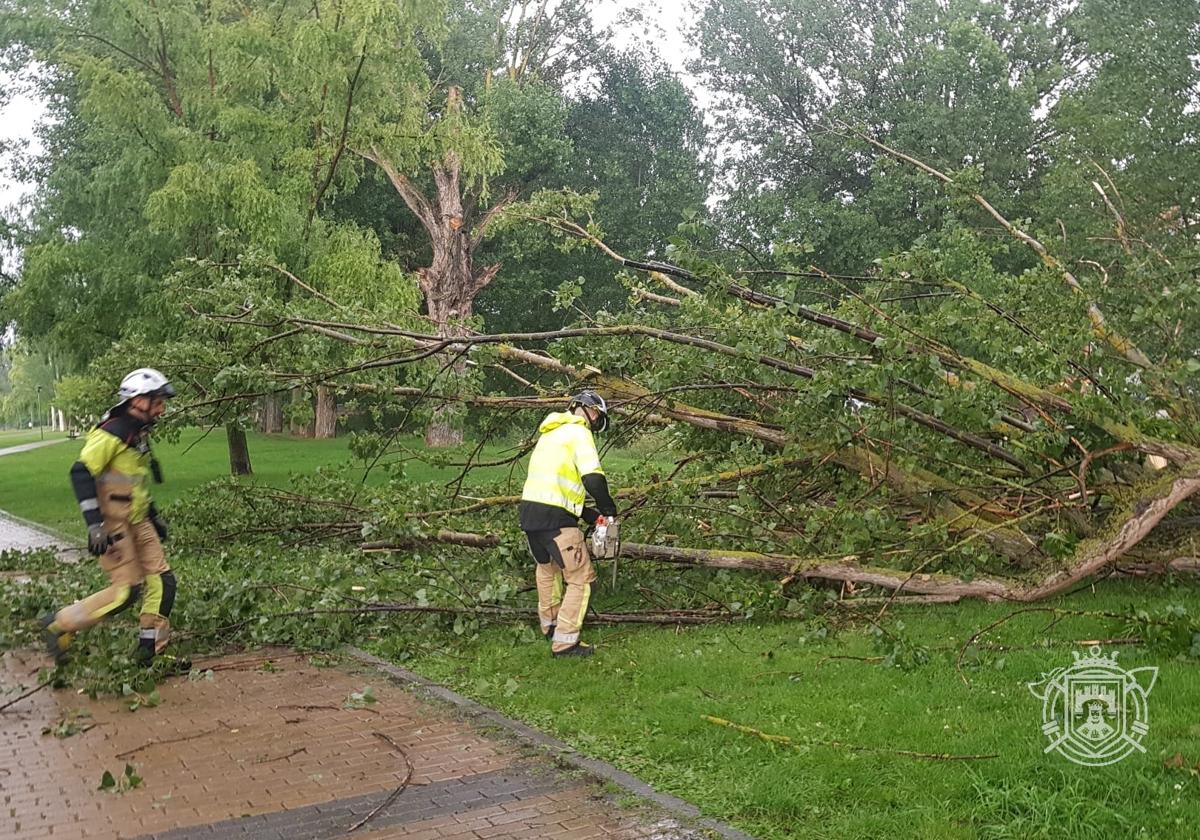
(160, 526)
(98, 539)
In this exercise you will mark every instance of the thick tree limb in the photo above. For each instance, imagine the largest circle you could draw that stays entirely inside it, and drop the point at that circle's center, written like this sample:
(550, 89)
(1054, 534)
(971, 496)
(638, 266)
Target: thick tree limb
(1144, 568)
(844, 569)
(443, 536)
(1098, 554)
(413, 197)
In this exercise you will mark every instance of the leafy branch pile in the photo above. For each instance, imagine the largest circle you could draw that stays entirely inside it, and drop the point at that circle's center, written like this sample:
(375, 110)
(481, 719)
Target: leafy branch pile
(997, 438)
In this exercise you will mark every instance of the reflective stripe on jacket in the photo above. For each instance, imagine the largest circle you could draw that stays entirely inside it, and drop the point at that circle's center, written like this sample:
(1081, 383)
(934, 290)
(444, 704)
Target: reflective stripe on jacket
(564, 454)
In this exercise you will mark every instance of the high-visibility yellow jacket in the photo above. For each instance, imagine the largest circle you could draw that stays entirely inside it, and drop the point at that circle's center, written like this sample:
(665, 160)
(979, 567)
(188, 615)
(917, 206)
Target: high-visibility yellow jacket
(564, 454)
(118, 458)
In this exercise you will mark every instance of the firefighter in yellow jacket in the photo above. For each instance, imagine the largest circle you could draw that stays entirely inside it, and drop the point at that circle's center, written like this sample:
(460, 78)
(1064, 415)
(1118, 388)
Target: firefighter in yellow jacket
(563, 471)
(125, 530)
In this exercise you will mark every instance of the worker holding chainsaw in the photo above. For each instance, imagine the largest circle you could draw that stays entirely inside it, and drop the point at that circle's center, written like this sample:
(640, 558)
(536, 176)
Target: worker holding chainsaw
(125, 530)
(563, 471)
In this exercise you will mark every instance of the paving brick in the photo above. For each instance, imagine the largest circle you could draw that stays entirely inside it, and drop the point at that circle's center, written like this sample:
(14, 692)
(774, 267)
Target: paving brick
(220, 761)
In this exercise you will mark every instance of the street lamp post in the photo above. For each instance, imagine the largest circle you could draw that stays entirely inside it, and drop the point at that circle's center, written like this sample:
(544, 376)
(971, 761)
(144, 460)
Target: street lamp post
(41, 419)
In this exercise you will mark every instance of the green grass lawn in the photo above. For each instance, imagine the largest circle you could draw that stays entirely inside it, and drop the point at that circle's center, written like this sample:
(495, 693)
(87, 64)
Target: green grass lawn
(34, 485)
(639, 704)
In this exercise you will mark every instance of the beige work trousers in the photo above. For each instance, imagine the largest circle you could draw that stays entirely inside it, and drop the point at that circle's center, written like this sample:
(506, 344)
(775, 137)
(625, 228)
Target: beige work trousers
(564, 590)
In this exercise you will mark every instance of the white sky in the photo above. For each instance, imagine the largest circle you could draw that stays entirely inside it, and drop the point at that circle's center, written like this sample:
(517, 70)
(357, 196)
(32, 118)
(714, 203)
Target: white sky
(21, 113)
(17, 120)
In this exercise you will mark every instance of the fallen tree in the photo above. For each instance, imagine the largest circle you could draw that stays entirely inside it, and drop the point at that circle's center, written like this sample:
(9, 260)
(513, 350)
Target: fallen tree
(1099, 555)
(905, 443)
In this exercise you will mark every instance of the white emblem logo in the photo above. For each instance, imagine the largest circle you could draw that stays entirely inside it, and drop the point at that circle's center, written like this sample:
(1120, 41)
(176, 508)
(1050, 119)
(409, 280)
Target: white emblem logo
(1095, 713)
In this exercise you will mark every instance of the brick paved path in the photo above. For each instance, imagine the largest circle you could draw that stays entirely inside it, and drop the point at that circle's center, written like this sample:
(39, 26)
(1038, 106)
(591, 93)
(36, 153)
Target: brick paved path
(271, 751)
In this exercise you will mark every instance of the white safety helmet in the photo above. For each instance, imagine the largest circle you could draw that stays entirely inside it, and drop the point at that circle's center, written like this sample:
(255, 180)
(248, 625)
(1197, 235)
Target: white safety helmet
(144, 382)
(591, 399)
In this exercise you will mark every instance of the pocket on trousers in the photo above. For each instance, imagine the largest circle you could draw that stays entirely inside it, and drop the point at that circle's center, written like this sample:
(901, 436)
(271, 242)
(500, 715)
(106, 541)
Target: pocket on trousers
(543, 548)
(572, 557)
(116, 508)
(570, 547)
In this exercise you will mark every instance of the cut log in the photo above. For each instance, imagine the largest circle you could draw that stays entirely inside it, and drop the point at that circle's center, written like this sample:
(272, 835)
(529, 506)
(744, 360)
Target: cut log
(845, 569)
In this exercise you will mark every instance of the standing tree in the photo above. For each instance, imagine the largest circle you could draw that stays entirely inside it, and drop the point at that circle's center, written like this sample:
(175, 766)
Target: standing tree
(492, 129)
(956, 83)
(190, 138)
(639, 144)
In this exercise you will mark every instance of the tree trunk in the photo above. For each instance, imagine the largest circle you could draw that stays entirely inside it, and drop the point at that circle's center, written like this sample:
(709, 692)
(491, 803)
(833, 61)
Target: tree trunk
(271, 415)
(450, 284)
(451, 281)
(326, 417)
(239, 453)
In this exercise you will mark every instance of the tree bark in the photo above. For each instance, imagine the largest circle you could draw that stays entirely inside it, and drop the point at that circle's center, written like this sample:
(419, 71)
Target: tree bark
(450, 284)
(326, 417)
(239, 452)
(271, 415)
(451, 281)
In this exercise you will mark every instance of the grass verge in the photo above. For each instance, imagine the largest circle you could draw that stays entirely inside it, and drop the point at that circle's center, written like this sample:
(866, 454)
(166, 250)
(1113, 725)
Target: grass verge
(639, 703)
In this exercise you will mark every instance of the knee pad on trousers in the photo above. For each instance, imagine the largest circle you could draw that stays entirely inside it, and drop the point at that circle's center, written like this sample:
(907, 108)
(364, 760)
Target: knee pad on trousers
(135, 592)
(168, 596)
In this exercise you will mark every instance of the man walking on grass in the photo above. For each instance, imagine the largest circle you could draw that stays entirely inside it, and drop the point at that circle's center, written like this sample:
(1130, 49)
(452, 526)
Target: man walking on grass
(563, 471)
(125, 530)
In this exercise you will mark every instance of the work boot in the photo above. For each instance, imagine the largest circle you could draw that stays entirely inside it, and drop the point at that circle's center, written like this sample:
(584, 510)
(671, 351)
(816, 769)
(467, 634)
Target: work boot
(577, 649)
(164, 663)
(56, 641)
(549, 633)
(144, 653)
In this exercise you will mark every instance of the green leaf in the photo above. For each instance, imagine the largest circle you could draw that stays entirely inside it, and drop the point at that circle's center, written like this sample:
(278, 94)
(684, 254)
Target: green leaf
(132, 779)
